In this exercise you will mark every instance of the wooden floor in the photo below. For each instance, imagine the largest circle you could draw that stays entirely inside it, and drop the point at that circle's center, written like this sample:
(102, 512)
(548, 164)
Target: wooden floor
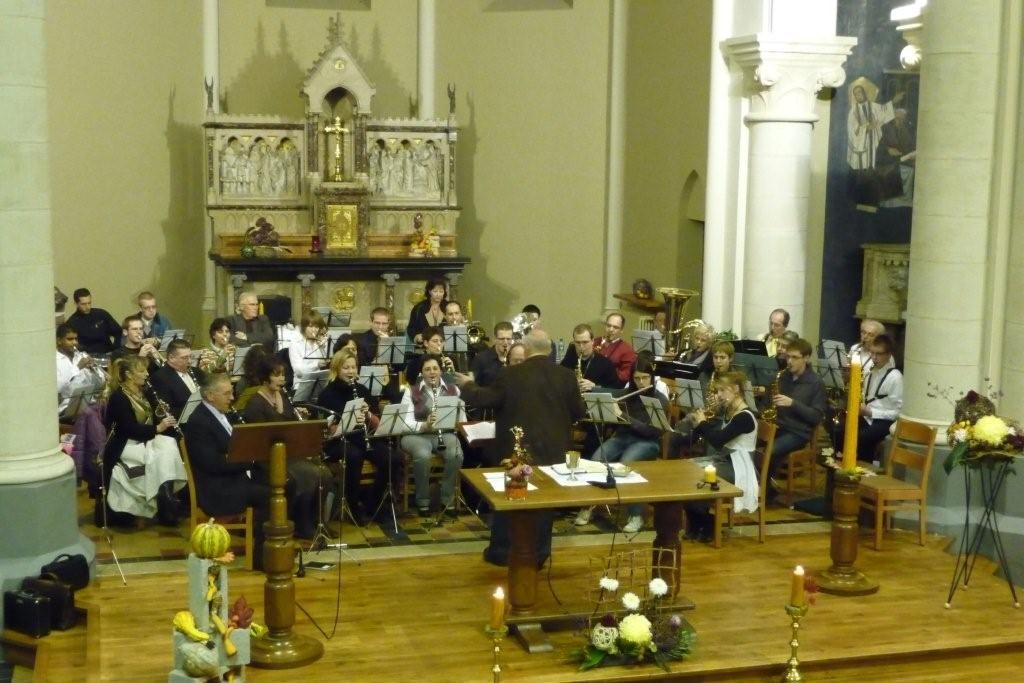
(421, 619)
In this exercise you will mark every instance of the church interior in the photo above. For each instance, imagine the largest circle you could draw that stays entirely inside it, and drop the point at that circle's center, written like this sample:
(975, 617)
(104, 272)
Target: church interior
(573, 155)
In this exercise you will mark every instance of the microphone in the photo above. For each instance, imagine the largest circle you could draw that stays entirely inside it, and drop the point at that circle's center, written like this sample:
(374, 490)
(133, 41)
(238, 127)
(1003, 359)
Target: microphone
(609, 481)
(313, 406)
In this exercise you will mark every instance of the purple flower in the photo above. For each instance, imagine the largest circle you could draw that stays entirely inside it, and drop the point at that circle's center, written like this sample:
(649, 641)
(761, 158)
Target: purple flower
(609, 620)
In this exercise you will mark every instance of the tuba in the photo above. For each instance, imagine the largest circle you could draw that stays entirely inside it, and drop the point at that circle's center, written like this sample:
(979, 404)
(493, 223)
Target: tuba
(675, 303)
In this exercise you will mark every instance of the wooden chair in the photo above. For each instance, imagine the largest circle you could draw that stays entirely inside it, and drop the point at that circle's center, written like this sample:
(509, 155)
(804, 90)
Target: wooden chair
(803, 462)
(765, 443)
(408, 485)
(913, 446)
(241, 522)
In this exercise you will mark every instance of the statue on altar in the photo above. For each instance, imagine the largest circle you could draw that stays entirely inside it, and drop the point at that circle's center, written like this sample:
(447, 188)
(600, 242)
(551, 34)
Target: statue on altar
(424, 243)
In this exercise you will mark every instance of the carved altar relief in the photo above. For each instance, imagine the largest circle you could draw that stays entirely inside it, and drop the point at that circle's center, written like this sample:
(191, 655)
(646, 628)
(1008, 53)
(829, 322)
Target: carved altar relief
(884, 289)
(254, 165)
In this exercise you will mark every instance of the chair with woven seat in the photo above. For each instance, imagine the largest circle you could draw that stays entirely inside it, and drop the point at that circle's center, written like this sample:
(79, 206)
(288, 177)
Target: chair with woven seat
(242, 522)
(765, 443)
(803, 462)
(913, 446)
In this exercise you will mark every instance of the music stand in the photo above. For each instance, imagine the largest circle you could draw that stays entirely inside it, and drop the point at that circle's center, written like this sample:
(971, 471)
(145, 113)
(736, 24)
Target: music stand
(760, 370)
(391, 351)
(748, 396)
(237, 370)
(676, 369)
(655, 413)
(191, 403)
(834, 352)
(456, 339)
(831, 375)
(309, 386)
(690, 394)
(169, 336)
(373, 377)
(347, 425)
(751, 347)
(649, 340)
(281, 647)
(81, 398)
(392, 424)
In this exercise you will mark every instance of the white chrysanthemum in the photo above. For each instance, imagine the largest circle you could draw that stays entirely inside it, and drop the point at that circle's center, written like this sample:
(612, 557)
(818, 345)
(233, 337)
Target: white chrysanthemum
(603, 637)
(960, 435)
(630, 601)
(657, 587)
(635, 628)
(609, 584)
(990, 430)
(828, 452)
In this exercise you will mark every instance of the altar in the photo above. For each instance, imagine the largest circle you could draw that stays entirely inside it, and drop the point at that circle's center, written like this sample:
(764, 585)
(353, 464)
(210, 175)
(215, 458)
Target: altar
(361, 210)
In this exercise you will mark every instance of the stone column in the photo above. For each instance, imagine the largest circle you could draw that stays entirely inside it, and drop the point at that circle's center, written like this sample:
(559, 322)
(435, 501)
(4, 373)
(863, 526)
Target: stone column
(958, 243)
(37, 480)
(782, 76)
(425, 59)
(616, 155)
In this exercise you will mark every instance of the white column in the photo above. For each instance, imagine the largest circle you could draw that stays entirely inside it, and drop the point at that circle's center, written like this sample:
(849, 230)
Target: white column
(616, 155)
(782, 76)
(211, 52)
(957, 305)
(425, 58)
(28, 418)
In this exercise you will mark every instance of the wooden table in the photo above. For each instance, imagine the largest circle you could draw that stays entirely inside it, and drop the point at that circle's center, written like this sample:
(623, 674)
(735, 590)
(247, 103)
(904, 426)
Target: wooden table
(670, 484)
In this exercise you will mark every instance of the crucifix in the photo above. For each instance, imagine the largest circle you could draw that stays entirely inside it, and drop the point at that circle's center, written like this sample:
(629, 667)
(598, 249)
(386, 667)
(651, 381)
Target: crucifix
(338, 131)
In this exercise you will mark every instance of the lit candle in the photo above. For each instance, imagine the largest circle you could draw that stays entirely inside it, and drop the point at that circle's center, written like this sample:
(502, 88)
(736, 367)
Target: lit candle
(469, 309)
(498, 608)
(852, 417)
(796, 594)
(710, 474)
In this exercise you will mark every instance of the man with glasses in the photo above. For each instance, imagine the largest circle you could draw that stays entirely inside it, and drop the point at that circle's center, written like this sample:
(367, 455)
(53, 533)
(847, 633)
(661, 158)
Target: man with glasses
(249, 327)
(175, 381)
(800, 403)
(488, 363)
(881, 400)
(616, 349)
(135, 344)
(869, 329)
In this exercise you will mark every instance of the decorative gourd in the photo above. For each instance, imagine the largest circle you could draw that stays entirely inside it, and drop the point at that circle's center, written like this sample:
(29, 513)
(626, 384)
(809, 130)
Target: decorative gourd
(210, 540)
(198, 660)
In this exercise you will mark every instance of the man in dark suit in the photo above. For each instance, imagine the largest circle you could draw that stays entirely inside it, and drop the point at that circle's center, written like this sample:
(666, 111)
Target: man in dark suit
(543, 399)
(487, 364)
(366, 350)
(222, 487)
(597, 370)
(175, 381)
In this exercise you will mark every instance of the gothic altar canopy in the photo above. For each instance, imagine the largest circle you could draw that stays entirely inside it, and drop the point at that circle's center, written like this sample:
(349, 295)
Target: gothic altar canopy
(339, 180)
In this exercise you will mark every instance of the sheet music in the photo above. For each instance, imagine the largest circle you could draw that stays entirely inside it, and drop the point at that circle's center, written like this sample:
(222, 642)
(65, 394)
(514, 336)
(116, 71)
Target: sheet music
(449, 410)
(171, 335)
(308, 387)
(649, 340)
(391, 350)
(194, 399)
(601, 408)
(373, 377)
(456, 339)
(394, 420)
(478, 431)
(655, 413)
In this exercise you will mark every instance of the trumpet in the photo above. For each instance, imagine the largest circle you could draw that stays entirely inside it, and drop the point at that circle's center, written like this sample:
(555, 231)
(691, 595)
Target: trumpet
(221, 359)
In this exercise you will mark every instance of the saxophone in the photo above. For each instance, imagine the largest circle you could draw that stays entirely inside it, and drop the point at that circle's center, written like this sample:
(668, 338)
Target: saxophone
(711, 397)
(770, 413)
(579, 372)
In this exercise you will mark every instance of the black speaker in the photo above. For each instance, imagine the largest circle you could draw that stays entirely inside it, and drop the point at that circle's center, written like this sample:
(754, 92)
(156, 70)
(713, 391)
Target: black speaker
(277, 307)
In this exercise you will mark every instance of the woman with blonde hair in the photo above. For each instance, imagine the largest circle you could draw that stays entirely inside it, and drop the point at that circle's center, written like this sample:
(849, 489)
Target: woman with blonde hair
(142, 467)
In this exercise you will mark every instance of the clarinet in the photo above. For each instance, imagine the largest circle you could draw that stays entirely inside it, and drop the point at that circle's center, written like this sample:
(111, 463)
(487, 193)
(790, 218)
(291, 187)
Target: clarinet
(355, 394)
(434, 393)
(162, 409)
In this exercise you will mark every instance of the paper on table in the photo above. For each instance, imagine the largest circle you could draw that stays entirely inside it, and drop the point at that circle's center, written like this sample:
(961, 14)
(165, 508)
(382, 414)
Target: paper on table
(560, 474)
(497, 481)
(478, 430)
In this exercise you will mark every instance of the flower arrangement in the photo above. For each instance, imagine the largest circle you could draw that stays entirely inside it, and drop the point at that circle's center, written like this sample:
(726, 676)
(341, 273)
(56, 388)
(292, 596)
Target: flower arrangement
(827, 458)
(645, 632)
(517, 467)
(977, 435)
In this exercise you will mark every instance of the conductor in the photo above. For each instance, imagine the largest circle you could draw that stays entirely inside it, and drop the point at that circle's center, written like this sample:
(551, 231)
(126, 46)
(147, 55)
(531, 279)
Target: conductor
(543, 399)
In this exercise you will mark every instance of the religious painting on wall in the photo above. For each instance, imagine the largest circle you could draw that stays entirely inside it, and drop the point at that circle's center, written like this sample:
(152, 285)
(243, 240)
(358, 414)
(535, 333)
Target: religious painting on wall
(872, 162)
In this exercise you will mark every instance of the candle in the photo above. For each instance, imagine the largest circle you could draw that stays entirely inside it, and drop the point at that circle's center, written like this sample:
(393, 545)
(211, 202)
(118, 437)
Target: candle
(796, 594)
(710, 474)
(852, 417)
(469, 310)
(498, 608)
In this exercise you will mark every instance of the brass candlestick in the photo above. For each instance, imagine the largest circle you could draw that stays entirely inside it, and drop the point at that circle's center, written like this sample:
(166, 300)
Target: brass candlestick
(793, 665)
(496, 635)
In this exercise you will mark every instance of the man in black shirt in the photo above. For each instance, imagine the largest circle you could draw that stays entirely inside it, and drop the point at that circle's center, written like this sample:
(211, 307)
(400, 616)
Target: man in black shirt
(800, 403)
(97, 330)
(597, 370)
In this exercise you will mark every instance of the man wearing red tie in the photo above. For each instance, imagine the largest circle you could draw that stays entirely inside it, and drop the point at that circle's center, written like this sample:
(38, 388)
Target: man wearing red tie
(616, 349)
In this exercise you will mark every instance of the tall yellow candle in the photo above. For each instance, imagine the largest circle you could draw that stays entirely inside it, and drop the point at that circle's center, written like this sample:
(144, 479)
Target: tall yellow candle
(852, 417)
(498, 608)
(469, 310)
(796, 593)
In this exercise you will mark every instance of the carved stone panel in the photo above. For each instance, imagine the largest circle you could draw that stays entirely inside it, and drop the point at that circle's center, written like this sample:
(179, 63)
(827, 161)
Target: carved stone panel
(884, 289)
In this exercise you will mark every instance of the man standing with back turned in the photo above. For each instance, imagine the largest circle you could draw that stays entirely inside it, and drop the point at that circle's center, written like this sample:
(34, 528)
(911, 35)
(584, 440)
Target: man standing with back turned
(543, 399)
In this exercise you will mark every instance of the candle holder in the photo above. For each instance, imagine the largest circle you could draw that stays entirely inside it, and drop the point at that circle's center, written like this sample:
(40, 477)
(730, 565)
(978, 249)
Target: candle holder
(496, 634)
(796, 613)
(713, 485)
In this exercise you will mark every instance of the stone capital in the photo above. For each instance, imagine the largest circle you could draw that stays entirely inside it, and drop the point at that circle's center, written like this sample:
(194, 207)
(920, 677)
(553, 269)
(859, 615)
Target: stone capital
(782, 75)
